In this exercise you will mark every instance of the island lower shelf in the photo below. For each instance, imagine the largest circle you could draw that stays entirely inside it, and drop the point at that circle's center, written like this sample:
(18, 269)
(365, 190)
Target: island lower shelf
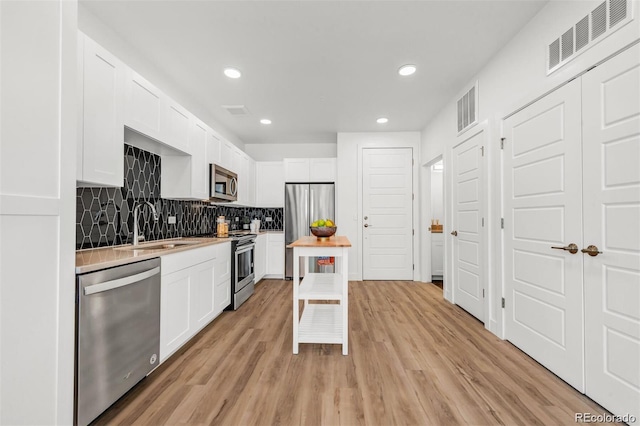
(321, 323)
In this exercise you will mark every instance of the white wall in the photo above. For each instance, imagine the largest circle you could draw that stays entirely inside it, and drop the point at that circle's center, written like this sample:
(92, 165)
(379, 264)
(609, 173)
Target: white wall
(278, 151)
(37, 211)
(514, 77)
(349, 185)
(89, 24)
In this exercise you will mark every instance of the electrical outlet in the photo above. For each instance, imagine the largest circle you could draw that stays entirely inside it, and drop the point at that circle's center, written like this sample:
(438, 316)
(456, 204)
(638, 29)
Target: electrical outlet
(268, 219)
(171, 220)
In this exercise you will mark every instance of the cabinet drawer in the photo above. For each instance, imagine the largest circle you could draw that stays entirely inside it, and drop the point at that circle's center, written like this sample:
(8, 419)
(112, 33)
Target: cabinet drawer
(184, 259)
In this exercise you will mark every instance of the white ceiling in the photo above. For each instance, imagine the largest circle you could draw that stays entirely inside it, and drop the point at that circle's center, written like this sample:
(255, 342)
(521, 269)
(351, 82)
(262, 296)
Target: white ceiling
(316, 68)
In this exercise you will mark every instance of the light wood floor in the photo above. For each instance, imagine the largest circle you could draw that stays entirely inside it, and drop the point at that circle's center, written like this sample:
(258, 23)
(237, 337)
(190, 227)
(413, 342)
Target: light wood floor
(413, 359)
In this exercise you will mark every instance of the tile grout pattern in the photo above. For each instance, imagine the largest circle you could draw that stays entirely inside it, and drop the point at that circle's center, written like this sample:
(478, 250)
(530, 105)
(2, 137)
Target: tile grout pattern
(104, 216)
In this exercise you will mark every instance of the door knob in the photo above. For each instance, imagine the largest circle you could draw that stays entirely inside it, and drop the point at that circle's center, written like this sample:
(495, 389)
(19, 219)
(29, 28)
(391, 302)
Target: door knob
(366, 225)
(454, 233)
(571, 248)
(591, 251)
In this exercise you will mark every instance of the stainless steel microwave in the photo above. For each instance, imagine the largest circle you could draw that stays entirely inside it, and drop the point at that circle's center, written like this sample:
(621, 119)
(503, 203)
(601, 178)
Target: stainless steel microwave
(223, 184)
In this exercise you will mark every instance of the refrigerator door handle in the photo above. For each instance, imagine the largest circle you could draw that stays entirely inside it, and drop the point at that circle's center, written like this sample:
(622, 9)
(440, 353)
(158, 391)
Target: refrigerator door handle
(312, 217)
(306, 212)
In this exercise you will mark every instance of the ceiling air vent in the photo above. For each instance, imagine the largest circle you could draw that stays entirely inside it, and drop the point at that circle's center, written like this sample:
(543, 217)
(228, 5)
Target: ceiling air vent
(597, 25)
(236, 109)
(467, 109)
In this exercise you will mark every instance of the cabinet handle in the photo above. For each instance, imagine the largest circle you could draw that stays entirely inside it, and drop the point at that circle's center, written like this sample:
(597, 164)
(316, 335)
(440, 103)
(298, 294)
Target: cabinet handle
(571, 248)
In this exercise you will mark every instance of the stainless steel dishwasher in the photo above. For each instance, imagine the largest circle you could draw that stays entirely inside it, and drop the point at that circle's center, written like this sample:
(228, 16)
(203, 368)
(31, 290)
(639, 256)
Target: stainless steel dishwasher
(117, 334)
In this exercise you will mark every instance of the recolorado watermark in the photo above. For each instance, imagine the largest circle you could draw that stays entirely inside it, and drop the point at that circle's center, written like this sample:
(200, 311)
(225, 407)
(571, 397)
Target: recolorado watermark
(604, 418)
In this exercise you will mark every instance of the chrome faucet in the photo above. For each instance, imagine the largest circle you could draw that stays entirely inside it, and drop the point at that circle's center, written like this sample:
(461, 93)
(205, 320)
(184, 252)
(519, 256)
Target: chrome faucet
(136, 237)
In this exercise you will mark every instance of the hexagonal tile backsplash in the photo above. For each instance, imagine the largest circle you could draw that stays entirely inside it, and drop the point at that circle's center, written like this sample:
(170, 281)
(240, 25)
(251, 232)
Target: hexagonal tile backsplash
(104, 215)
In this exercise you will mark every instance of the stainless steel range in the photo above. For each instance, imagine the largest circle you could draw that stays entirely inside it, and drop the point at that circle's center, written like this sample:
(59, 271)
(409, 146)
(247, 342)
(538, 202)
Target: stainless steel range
(242, 272)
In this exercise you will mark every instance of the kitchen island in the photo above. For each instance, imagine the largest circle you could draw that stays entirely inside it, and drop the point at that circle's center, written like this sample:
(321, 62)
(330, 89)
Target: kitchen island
(321, 322)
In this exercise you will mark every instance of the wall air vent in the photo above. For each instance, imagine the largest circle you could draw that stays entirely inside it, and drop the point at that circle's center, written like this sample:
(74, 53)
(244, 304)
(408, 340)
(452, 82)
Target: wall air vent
(602, 21)
(468, 108)
(236, 109)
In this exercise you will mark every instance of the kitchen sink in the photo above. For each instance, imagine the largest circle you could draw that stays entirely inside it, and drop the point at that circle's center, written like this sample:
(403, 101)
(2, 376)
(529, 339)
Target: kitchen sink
(161, 246)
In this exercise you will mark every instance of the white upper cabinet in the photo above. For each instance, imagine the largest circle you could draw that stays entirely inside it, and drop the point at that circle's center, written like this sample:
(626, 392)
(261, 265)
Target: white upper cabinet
(177, 123)
(144, 106)
(187, 176)
(101, 126)
(251, 181)
(213, 148)
(322, 169)
(199, 166)
(269, 184)
(226, 155)
(296, 169)
(309, 169)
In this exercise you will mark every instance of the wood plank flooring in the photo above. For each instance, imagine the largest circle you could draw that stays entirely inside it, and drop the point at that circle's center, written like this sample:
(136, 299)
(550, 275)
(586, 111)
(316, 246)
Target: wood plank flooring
(414, 359)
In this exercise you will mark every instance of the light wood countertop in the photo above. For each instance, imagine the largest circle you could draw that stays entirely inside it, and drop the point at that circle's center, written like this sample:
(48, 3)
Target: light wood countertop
(311, 241)
(90, 260)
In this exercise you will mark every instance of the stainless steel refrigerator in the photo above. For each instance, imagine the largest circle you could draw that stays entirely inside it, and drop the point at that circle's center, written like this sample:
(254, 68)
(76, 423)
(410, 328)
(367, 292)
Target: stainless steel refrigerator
(303, 204)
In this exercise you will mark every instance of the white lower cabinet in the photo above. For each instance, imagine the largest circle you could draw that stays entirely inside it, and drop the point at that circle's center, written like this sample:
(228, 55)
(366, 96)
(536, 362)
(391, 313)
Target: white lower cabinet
(260, 261)
(275, 255)
(195, 288)
(437, 256)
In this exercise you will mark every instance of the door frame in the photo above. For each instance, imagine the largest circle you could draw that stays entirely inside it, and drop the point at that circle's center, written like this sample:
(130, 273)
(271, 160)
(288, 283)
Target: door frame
(415, 155)
(426, 212)
(448, 277)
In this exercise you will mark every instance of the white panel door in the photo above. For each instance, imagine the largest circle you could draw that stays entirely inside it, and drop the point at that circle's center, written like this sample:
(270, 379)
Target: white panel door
(542, 211)
(468, 235)
(387, 209)
(611, 176)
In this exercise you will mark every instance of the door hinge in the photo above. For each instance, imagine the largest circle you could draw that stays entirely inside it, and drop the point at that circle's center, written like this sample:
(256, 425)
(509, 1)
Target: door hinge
(483, 293)
(483, 222)
(414, 266)
(413, 232)
(502, 143)
(413, 196)
(482, 150)
(502, 223)
(503, 302)
(413, 162)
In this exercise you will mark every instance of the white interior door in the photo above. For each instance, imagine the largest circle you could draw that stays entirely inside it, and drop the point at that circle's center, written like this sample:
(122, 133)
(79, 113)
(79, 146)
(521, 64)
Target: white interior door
(542, 210)
(387, 208)
(611, 150)
(467, 240)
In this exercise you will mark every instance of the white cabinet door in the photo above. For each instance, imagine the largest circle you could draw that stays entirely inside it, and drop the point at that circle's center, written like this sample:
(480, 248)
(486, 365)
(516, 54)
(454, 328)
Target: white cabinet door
(175, 311)
(203, 302)
(296, 169)
(199, 165)
(241, 165)
(322, 170)
(275, 255)
(226, 154)
(144, 106)
(177, 130)
(251, 182)
(101, 143)
(261, 257)
(213, 148)
(222, 275)
(270, 184)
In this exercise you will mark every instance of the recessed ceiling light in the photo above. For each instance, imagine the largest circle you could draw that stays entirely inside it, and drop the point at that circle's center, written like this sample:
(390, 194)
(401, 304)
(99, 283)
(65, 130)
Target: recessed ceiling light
(232, 72)
(382, 120)
(406, 70)
(265, 121)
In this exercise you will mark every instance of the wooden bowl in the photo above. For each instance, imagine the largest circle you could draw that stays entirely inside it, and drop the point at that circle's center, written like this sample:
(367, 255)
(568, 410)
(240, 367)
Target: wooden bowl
(323, 231)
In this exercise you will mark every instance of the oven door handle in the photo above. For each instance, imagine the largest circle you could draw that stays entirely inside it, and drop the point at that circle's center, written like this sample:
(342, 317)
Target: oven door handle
(245, 248)
(120, 282)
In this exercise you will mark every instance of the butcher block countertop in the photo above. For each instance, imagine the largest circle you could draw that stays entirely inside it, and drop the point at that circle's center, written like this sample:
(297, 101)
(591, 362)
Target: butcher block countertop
(311, 241)
(90, 260)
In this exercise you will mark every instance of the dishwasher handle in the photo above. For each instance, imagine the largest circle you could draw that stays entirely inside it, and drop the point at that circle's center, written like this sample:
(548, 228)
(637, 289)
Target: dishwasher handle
(120, 282)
